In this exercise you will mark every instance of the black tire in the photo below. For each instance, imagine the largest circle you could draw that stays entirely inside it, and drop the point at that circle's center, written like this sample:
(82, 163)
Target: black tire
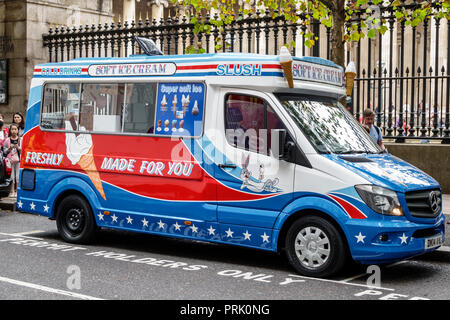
(75, 221)
(315, 248)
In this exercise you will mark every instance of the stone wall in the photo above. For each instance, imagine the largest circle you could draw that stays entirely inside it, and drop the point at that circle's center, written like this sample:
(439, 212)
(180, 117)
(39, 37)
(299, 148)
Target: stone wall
(25, 21)
(13, 25)
(432, 158)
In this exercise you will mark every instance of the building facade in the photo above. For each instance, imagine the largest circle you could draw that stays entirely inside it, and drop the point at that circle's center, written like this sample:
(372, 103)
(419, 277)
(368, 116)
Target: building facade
(22, 24)
(399, 53)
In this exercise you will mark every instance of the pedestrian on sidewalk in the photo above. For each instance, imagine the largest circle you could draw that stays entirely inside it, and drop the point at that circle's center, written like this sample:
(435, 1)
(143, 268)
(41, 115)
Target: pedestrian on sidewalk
(12, 147)
(372, 129)
(19, 120)
(4, 132)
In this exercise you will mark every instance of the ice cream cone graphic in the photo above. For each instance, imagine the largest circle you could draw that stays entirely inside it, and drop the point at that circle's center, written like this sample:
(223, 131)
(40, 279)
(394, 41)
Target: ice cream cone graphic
(87, 164)
(164, 104)
(185, 103)
(350, 74)
(286, 64)
(195, 110)
(79, 148)
(174, 104)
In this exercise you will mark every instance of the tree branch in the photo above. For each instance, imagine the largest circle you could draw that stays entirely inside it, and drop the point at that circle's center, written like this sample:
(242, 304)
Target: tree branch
(330, 4)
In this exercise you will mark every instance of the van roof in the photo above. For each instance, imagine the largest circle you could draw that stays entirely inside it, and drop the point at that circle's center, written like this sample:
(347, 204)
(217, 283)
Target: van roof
(235, 69)
(190, 57)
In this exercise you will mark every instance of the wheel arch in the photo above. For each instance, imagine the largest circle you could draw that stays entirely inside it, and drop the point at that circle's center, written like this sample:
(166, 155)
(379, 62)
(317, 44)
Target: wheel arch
(320, 206)
(72, 186)
(303, 213)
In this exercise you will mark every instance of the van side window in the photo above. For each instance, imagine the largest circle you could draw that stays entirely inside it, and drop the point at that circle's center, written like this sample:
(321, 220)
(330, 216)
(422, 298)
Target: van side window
(128, 108)
(249, 122)
(60, 102)
(101, 106)
(139, 114)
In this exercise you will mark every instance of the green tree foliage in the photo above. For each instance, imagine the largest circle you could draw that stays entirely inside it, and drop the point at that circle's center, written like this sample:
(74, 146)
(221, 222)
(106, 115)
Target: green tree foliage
(339, 15)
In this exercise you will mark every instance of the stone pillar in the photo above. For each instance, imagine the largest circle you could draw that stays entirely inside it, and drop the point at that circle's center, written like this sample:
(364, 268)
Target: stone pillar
(14, 27)
(129, 10)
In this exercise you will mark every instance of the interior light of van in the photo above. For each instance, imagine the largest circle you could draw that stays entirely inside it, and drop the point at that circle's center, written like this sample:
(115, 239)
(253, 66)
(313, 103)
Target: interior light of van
(380, 200)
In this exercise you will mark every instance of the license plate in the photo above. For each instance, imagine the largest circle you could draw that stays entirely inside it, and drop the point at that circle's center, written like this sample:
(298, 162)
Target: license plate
(433, 242)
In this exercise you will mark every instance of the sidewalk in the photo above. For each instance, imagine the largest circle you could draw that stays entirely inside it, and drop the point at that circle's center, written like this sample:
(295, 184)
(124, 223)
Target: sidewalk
(10, 205)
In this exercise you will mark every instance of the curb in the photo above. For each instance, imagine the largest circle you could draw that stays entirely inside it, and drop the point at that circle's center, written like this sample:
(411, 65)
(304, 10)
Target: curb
(8, 204)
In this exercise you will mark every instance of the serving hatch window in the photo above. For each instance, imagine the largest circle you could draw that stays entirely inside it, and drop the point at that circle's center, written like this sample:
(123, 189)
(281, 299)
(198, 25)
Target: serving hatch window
(135, 108)
(100, 108)
(59, 103)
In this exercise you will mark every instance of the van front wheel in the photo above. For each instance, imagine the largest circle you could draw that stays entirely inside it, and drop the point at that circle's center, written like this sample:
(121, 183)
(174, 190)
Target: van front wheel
(314, 247)
(75, 221)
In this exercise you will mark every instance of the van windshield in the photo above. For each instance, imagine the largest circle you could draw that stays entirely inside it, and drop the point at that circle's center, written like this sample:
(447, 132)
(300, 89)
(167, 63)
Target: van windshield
(328, 126)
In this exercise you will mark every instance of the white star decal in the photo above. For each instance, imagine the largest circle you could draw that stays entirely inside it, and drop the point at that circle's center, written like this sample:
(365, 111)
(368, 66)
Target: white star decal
(247, 235)
(211, 230)
(161, 224)
(229, 233)
(19, 204)
(46, 207)
(265, 237)
(177, 226)
(403, 238)
(194, 228)
(114, 218)
(129, 220)
(144, 223)
(32, 206)
(100, 216)
(359, 238)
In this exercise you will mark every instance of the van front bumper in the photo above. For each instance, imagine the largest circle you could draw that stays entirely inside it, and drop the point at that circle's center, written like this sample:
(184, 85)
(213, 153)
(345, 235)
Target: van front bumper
(385, 241)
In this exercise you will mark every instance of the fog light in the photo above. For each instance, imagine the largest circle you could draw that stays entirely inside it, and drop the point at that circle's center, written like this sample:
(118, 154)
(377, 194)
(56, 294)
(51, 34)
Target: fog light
(384, 237)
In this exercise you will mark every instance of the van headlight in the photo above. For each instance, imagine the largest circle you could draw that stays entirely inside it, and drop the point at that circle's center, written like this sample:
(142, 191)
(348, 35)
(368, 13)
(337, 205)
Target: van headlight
(380, 199)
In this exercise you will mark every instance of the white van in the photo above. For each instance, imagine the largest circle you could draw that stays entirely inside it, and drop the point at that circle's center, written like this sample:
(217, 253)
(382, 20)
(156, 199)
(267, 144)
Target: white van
(218, 147)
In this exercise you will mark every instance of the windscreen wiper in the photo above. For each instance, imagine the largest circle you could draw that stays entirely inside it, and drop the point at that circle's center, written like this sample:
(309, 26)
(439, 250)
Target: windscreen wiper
(351, 151)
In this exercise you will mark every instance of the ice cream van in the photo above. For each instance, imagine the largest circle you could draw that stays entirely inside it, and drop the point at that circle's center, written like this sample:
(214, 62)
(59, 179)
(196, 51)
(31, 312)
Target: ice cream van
(242, 149)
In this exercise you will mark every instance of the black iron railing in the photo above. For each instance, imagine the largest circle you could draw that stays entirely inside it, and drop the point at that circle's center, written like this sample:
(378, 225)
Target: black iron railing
(409, 95)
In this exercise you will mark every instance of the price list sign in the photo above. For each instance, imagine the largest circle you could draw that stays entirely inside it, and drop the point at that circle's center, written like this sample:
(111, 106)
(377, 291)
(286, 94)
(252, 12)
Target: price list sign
(179, 109)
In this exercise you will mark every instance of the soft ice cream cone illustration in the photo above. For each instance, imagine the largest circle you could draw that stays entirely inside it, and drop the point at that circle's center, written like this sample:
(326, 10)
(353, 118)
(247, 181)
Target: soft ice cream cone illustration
(185, 103)
(164, 104)
(159, 125)
(166, 125)
(174, 125)
(350, 74)
(79, 148)
(87, 164)
(174, 104)
(286, 64)
(181, 126)
(195, 109)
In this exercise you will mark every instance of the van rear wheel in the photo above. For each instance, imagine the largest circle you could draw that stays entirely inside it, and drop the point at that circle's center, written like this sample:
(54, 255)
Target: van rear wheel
(75, 221)
(314, 247)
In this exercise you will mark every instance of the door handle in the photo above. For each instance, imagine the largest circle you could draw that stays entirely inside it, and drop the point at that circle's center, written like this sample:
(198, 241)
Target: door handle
(227, 166)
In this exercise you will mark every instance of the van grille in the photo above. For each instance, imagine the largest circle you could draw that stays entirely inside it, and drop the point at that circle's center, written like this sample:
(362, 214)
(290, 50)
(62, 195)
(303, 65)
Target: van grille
(424, 203)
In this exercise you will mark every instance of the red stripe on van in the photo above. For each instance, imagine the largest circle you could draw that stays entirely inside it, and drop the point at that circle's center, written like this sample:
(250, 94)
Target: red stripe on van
(197, 67)
(351, 210)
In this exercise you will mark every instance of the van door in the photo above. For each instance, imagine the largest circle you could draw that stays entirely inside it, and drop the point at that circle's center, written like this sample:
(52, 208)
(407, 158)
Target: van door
(257, 184)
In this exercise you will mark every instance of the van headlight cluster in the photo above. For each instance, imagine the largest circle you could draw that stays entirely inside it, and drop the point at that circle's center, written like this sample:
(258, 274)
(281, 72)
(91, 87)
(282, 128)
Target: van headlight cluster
(380, 199)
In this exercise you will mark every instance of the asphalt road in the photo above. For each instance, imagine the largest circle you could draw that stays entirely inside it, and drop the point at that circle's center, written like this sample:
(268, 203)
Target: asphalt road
(35, 264)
